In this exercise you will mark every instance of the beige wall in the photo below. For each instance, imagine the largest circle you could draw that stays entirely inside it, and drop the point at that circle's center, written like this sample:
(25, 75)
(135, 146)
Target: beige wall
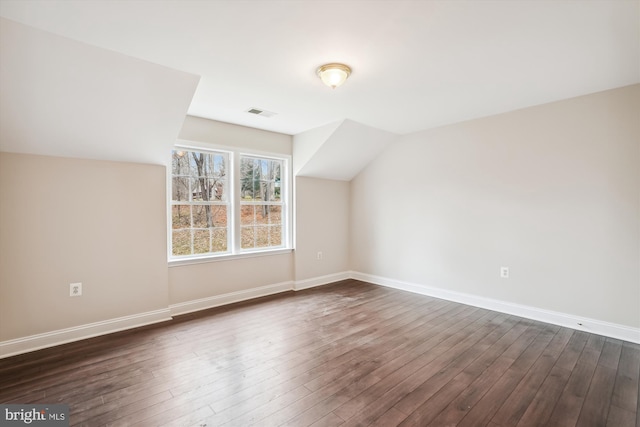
(219, 133)
(322, 224)
(69, 220)
(209, 279)
(104, 224)
(552, 192)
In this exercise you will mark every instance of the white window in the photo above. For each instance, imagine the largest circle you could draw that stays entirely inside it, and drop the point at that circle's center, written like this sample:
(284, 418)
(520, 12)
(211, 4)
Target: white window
(199, 203)
(260, 202)
(227, 203)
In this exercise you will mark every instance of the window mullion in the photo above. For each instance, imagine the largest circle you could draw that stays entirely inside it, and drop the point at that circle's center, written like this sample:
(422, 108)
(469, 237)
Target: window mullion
(235, 201)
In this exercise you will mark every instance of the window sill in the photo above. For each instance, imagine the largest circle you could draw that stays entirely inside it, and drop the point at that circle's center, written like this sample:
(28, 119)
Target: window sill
(227, 257)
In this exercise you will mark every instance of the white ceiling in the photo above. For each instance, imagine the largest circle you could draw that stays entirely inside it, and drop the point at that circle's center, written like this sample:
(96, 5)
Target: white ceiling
(416, 64)
(64, 98)
(338, 150)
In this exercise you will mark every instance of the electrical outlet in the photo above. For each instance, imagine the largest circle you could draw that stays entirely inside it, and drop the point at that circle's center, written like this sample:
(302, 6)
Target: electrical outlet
(75, 289)
(504, 272)
(319, 255)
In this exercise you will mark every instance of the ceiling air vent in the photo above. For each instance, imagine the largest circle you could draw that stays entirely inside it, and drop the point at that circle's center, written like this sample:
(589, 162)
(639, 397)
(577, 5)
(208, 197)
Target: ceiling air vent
(263, 113)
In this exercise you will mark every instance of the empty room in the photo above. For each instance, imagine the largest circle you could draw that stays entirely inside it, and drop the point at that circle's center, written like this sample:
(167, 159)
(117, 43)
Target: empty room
(320, 213)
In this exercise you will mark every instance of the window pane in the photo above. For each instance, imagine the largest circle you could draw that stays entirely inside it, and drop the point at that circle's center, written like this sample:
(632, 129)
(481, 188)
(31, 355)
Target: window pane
(207, 216)
(262, 237)
(275, 170)
(194, 189)
(275, 214)
(180, 216)
(258, 191)
(201, 241)
(180, 163)
(209, 165)
(247, 215)
(247, 237)
(219, 215)
(201, 189)
(180, 189)
(220, 166)
(248, 179)
(262, 214)
(277, 191)
(202, 216)
(267, 191)
(219, 190)
(181, 241)
(219, 240)
(275, 237)
(202, 164)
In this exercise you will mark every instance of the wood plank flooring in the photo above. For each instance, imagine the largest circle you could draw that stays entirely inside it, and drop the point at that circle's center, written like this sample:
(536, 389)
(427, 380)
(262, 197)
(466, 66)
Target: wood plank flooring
(347, 354)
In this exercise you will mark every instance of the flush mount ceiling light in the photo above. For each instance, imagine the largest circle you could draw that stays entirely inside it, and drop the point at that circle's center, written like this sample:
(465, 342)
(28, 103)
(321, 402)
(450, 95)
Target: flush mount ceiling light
(333, 75)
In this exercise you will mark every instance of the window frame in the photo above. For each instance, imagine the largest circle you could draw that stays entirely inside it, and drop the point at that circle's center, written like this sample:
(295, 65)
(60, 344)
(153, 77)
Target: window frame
(234, 249)
(256, 203)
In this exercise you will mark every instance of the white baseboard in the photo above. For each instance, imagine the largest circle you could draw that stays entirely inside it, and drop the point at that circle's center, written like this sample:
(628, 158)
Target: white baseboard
(50, 339)
(321, 280)
(230, 298)
(77, 333)
(599, 327)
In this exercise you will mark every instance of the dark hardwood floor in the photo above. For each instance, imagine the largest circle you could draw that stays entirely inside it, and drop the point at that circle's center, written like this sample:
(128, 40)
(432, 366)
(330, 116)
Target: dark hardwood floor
(349, 354)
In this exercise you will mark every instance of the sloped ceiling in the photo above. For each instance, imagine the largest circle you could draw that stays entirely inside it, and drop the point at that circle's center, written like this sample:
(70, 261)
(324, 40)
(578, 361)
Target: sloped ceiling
(119, 85)
(61, 97)
(307, 144)
(338, 151)
(416, 64)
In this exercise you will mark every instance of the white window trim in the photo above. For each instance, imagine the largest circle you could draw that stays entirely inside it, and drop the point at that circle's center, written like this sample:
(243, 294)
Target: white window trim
(235, 251)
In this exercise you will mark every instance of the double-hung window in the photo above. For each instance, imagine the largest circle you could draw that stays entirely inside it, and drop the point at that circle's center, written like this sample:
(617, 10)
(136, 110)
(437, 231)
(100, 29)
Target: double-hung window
(227, 203)
(199, 203)
(260, 202)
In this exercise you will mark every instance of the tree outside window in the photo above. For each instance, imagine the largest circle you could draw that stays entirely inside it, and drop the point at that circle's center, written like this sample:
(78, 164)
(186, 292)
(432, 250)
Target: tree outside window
(206, 220)
(260, 202)
(199, 203)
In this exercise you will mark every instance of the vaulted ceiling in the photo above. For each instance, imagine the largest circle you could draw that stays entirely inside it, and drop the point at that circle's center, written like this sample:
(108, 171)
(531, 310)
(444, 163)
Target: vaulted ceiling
(416, 64)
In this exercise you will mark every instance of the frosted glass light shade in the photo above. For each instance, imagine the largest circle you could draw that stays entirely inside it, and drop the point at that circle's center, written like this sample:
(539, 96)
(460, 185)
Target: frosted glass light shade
(333, 75)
